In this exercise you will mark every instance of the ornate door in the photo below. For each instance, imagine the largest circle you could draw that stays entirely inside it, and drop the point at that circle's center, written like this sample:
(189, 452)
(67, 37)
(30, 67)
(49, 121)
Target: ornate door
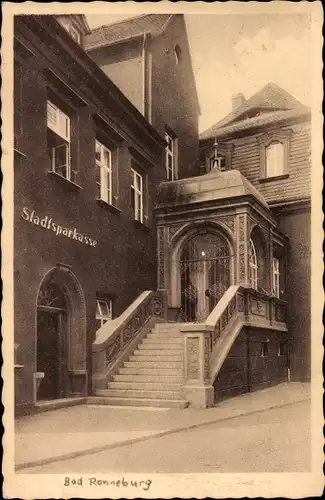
(205, 275)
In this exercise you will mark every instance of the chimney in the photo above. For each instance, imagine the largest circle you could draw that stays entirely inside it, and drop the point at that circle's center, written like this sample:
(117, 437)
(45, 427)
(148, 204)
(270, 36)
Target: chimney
(237, 101)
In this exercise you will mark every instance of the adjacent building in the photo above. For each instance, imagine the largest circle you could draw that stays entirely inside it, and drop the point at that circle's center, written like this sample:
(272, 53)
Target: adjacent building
(148, 58)
(85, 168)
(267, 138)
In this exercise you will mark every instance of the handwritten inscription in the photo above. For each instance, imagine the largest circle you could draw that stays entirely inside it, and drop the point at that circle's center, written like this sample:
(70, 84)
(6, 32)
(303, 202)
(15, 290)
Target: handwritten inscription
(94, 482)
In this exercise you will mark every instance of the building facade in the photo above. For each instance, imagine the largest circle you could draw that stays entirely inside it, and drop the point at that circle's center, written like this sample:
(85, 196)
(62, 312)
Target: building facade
(85, 170)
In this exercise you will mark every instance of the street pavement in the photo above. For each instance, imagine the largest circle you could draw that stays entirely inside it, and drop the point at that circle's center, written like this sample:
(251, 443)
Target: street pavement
(276, 440)
(98, 438)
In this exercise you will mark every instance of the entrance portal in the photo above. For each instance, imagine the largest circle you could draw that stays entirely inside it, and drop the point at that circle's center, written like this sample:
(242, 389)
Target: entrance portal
(205, 275)
(52, 352)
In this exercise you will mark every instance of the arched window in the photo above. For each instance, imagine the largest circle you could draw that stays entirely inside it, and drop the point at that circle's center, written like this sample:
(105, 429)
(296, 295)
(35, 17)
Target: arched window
(178, 54)
(274, 159)
(252, 265)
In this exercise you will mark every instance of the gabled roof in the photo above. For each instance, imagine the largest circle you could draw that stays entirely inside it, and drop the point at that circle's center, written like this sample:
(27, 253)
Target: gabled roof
(125, 29)
(274, 103)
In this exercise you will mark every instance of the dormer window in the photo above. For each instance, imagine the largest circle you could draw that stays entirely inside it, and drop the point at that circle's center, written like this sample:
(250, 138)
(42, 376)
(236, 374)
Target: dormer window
(218, 163)
(72, 26)
(178, 54)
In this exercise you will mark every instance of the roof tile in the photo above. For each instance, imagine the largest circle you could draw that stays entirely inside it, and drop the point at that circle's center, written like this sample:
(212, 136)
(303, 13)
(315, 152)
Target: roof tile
(276, 102)
(127, 28)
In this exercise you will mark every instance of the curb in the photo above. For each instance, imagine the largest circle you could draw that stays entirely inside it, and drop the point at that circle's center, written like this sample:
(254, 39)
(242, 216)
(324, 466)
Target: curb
(120, 444)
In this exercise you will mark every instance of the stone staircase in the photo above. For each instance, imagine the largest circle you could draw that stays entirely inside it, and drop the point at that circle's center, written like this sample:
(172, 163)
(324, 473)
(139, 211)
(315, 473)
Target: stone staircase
(153, 375)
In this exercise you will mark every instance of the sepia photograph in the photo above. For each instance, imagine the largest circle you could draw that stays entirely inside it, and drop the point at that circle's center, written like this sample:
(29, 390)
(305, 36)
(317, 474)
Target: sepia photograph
(162, 249)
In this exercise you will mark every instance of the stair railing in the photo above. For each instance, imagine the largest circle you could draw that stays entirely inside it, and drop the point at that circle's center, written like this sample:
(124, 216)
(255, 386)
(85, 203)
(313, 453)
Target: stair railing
(116, 339)
(207, 344)
(199, 341)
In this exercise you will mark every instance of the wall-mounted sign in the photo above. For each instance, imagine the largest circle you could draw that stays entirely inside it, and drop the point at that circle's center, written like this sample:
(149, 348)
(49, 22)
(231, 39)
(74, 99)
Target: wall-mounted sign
(47, 223)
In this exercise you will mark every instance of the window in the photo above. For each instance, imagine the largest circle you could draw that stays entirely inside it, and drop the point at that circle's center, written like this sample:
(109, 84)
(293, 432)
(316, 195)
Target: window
(276, 278)
(282, 351)
(170, 157)
(252, 265)
(178, 54)
(274, 159)
(103, 173)
(274, 154)
(265, 349)
(137, 196)
(218, 163)
(58, 141)
(103, 312)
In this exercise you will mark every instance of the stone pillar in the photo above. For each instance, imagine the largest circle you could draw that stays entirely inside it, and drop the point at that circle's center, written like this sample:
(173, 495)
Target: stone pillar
(162, 257)
(198, 389)
(242, 248)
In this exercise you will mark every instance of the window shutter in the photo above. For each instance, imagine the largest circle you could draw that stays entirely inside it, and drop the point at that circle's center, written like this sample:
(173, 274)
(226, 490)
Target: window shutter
(58, 121)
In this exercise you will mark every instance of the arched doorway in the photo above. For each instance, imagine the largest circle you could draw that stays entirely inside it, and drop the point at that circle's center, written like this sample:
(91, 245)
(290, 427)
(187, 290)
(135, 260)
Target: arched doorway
(52, 344)
(61, 349)
(205, 273)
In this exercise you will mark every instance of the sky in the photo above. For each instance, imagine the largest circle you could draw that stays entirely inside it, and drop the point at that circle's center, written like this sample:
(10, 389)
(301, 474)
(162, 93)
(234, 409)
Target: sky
(242, 52)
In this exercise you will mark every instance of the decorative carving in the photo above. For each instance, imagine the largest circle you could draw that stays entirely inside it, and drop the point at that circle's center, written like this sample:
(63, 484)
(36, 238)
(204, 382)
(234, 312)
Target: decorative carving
(260, 222)
(206, 357)
(240, 302)
(241, 228)
(50, 295)
(280, 313)
(232, 306)
(228, 221)
(112, 349)
(224, 320)
(147, 312)
(158, 306)
(258, 307)
(174, 228)
(216, 333)
(161, 258)
(127, 333)
(241, 260)
(192, 351)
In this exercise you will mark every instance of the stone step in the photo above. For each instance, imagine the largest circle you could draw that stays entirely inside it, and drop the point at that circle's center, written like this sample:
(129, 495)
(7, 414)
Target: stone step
(153, 364)
(138, 356)
(150, 403)
(144, 386)
(167, 330)
(163, 342)
(169, 324)
(165, 337)
(163, 371)
(148, 378)
(139, 394)
(161, 346)
(156, 353)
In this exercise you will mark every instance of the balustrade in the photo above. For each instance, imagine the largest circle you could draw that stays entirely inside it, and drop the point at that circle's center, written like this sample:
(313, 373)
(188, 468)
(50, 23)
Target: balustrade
(115, 336)
(203, 342)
